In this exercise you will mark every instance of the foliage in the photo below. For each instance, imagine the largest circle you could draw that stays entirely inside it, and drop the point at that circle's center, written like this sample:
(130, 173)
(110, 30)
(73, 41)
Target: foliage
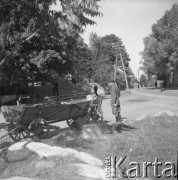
(37, 42)
(82, 65)
(143, 80)
(104, 55)
(160, 55)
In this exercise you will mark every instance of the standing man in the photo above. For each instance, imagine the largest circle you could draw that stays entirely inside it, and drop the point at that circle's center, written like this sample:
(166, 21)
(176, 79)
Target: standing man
(95, 89)
(161, 85)
(156, 84)
(115, 102)
(55, 89)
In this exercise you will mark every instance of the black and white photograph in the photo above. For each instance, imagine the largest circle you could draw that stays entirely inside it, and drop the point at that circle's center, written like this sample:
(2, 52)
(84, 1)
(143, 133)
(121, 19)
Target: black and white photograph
(88, 89)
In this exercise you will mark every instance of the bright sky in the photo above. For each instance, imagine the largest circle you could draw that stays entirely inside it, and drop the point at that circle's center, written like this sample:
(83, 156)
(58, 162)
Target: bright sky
(131, 20)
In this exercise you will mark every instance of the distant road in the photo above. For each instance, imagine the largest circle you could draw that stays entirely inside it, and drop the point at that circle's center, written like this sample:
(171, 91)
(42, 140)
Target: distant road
(141, 102)
(156, 92)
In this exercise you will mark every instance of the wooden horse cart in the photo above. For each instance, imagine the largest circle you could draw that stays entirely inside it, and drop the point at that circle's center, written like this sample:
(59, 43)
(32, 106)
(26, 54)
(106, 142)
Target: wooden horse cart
(33, 120)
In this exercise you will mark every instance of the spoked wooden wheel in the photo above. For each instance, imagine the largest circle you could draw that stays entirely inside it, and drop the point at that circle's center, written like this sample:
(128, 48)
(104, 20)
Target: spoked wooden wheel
(95, 115)
(73, 124)
(99, 116)
(38, 128)
(16, 132)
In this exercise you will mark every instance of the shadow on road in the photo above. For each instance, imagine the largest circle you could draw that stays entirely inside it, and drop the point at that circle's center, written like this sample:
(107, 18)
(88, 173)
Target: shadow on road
(122, 127)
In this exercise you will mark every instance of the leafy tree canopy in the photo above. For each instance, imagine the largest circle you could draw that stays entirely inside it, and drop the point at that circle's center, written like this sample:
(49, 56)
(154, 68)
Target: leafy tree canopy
(104, 52)
(36, 40)
(143, 80)
(160, 54)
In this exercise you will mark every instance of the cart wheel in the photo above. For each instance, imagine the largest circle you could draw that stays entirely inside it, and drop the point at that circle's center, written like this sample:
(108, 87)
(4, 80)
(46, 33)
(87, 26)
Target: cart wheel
(38, 128)
(73, 124)
(17, 133)
(95, 115)
(99, 113)
(90, 114)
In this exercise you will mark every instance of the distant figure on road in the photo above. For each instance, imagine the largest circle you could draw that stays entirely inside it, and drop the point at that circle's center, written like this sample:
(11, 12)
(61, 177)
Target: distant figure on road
(55, 89)
(161, 85)
(95, 89)
(115, 102)
(156, 84)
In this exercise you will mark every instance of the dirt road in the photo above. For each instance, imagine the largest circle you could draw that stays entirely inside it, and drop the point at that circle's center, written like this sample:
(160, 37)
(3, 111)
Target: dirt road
(141, 102)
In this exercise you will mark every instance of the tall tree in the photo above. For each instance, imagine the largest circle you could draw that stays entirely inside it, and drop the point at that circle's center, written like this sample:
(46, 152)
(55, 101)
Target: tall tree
(34, 39)
(160, 54)
(143, 80)
(104, 55)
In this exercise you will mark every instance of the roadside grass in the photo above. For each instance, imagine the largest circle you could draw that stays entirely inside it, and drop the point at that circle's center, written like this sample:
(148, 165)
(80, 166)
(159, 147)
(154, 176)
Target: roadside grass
(27, 168)
(142, 141)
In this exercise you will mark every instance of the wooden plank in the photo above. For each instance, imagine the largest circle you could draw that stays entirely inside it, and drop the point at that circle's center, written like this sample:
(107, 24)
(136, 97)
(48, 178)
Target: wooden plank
(29, 113)
(65, 111)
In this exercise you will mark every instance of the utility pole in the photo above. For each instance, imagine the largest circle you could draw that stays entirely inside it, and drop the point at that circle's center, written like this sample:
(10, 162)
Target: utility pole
(116, 46)
(125, 75)
(115, 69)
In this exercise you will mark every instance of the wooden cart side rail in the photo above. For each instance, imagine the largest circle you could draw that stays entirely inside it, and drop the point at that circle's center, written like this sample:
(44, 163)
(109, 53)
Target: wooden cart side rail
(74, 95)
(69, 108)
(70, 96)
(29, 99)
(29, 113)
(58, 106)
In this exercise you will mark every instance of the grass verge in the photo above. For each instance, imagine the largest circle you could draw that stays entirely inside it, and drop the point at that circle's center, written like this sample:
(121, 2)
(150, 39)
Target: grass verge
(143, 141)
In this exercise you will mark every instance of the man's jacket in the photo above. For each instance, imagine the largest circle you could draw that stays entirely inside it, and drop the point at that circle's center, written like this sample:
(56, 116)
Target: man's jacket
(115, 94)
